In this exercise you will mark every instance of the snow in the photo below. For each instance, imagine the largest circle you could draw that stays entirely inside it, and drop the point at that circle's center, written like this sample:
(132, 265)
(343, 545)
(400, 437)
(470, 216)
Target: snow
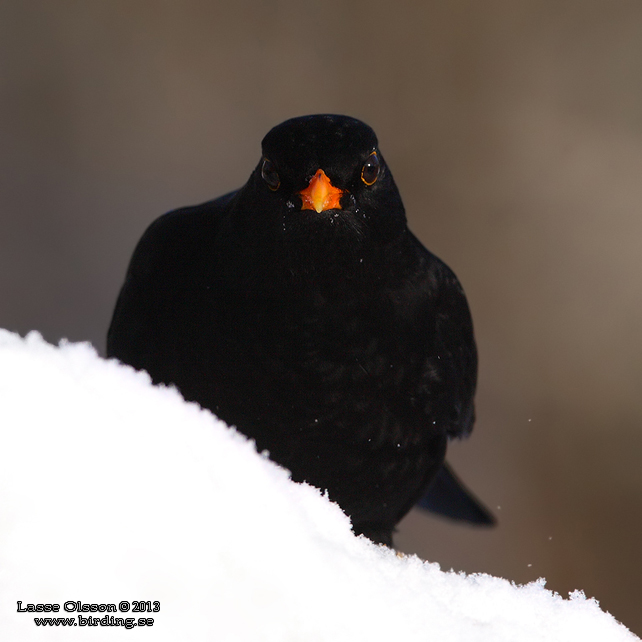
(112, 489)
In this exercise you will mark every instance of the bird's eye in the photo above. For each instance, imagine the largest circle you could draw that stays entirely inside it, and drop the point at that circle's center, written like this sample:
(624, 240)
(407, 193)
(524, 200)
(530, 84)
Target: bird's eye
(371, 169)
(270, 175)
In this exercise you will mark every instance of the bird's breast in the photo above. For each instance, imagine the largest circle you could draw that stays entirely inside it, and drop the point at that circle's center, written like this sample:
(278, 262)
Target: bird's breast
(324, 370)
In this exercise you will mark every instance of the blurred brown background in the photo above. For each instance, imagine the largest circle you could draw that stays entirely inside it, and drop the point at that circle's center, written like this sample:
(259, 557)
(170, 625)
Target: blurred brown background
(514, 131)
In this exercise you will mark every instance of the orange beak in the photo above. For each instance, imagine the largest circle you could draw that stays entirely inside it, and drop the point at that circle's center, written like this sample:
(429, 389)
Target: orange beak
(320, 194)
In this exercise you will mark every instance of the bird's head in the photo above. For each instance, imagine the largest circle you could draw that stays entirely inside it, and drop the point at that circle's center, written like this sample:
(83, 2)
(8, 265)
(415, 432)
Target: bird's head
(328, 170)
(323, 194)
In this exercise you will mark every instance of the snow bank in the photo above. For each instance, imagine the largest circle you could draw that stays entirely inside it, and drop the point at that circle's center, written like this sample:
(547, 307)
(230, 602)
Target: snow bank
(113, 490)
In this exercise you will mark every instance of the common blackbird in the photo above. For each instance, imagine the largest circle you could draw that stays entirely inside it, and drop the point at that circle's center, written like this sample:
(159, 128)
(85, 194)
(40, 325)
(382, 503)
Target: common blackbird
(302, 310)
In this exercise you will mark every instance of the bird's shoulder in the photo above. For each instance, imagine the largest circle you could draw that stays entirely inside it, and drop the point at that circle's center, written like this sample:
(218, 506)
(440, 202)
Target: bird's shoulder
(428, 280)
(176, 239)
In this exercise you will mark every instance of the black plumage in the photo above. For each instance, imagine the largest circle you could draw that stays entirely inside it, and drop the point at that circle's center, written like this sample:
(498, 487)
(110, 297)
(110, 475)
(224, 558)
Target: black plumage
(303, 311)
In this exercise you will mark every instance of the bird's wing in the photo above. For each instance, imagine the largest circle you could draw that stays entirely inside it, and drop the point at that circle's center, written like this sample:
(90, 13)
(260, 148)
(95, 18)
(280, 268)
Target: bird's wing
(450, 361)
(450, 377)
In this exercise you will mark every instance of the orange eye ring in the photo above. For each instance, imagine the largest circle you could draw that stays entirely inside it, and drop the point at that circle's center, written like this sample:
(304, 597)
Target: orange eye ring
(270, 175)
(371, 169)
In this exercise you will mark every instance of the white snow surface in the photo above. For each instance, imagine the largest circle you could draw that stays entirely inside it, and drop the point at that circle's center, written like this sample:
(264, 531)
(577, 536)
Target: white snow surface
(112, 489)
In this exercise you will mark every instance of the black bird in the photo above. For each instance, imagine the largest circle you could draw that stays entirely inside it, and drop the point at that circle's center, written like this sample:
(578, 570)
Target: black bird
(303, 311)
